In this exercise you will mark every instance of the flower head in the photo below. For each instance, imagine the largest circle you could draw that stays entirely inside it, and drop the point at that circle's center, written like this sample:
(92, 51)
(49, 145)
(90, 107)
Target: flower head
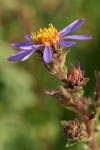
(72, 129)
(46, 40)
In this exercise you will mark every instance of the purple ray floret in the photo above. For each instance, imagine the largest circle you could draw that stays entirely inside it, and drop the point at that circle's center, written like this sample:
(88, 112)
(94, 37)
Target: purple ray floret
(66, 44)
(19, 44)
(28, 37)
(77, 37)
(73, 26)
(63, 34)
(21, 54)
(47, 54)
(46, 48)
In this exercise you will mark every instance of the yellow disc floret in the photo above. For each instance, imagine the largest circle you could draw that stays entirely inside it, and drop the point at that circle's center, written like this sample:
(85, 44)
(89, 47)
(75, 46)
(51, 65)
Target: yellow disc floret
(75, 73)
(47, 36)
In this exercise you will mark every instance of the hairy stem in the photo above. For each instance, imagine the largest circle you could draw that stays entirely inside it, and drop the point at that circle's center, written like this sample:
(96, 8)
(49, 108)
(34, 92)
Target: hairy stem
(60, 73)
(91, 135)
(89, 125)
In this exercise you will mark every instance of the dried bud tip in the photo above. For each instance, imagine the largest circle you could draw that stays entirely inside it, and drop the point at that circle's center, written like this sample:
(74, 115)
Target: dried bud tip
(72, 129)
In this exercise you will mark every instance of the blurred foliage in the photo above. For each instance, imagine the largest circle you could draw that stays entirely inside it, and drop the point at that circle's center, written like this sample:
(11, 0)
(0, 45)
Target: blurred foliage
(30, 120)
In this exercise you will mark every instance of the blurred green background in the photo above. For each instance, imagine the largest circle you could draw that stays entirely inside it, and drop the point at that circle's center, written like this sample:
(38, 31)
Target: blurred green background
(29, 119)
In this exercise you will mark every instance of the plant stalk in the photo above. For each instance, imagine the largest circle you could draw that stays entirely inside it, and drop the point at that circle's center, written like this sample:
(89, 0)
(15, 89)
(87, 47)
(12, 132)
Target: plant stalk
(89, 125)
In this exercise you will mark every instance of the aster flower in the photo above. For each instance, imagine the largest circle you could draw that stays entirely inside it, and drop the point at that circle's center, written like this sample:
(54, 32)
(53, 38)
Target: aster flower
(46, 40)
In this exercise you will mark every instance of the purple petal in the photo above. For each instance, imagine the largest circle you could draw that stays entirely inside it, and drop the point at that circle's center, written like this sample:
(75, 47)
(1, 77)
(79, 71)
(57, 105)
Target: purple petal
(26, 57)
(19, 44)
(73, 26)
(32, 47)
(18, 55)
(47, 54)
(78, 37)
(66, 44)
(64, 31)
(28, 37)
(76, 24)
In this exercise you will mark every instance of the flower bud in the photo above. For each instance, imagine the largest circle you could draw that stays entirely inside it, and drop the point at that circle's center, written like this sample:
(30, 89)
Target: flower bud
(75, 75)
(72, 129)
(75, 78)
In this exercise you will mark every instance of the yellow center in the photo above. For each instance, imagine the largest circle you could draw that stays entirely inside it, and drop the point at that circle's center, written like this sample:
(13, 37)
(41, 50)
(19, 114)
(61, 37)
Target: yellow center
(47, 36)
(76, 73)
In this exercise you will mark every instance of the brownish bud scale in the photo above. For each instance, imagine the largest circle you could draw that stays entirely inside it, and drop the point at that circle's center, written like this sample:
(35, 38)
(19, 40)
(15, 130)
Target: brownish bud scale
(72, 129)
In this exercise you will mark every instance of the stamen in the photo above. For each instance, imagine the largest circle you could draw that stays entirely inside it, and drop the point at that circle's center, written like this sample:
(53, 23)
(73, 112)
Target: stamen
(46, 36)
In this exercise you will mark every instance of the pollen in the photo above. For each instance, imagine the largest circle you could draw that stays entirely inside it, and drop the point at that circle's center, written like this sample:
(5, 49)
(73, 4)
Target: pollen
(47, 36)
